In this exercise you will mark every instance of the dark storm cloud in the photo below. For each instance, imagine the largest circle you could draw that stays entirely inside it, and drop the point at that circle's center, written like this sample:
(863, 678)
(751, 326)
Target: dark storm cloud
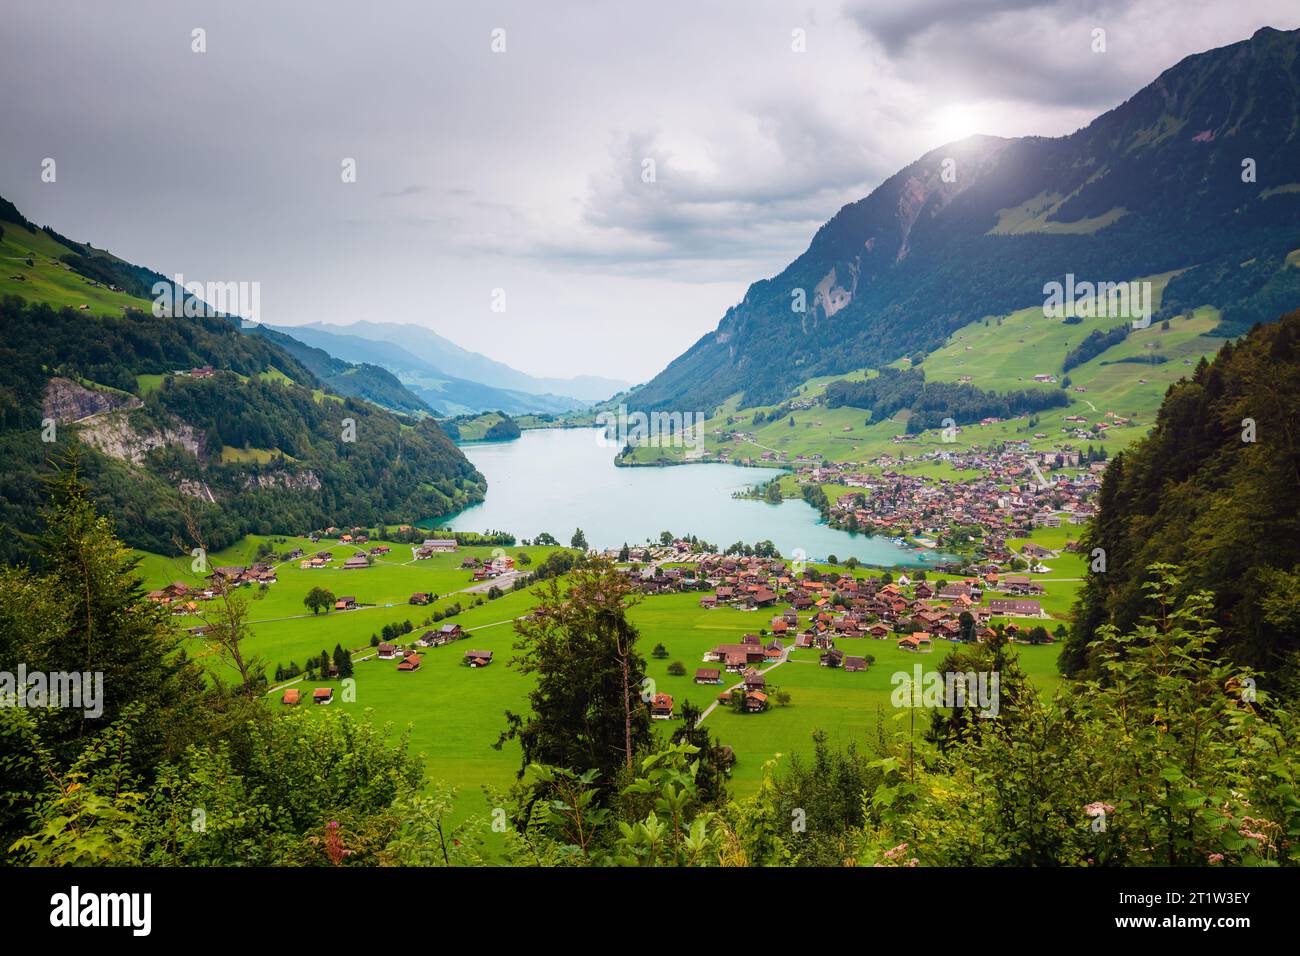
(896, 24)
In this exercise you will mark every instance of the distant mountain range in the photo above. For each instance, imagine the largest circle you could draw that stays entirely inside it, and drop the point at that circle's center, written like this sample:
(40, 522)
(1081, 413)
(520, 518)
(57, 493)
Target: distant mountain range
(421, 358)
(1198, 173)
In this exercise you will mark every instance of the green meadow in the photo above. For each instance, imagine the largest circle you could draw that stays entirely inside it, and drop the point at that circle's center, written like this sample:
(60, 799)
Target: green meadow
(845, 705)
(284, 630)
(453, 714)
(47, 279)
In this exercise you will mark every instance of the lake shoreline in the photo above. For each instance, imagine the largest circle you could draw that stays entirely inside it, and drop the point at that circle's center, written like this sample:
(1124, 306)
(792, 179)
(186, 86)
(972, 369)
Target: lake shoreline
(557, 480)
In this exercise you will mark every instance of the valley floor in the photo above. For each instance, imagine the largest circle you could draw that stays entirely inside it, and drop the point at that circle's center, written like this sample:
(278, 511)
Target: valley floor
(454, 714)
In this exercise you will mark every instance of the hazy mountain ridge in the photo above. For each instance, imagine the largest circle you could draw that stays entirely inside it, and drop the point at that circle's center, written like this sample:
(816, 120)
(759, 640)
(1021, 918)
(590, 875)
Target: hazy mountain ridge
(452, 358)
(446, 394)
(362, 380)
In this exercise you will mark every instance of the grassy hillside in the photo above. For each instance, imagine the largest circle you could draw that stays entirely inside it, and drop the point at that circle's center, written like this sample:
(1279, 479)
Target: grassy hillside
(997, 354)
(31, 266)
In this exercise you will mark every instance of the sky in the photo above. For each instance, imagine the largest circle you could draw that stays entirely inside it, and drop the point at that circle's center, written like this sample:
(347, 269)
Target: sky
(567, 187)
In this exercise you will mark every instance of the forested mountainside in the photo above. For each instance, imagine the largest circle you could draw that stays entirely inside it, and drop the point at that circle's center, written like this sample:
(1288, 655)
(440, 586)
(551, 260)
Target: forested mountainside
(1198, 172)
(932, 404)
(1213, 489)
(244, 439)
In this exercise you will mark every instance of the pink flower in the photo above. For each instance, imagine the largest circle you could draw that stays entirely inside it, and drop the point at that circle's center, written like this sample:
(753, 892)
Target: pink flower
(895, 852)
(1216, 857)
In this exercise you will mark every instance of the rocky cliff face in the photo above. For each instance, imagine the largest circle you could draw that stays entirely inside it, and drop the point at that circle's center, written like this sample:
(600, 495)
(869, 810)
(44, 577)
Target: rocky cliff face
(66, 402)
(301, 481)
(114, 435)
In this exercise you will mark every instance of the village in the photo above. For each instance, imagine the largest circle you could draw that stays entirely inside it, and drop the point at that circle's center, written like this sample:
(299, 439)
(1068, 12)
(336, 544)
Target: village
(805, 607)
(1012, 492)
(838, 606)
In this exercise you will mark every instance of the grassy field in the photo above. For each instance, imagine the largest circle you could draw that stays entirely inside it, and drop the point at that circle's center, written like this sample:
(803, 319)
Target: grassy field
(49, 280)
(259, 455)
(845, 705)
(476, 428)
(284, 630)
(454, 714)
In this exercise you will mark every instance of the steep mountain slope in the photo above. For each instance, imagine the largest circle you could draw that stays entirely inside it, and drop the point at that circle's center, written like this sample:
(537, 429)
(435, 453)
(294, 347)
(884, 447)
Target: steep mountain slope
(173, 415)
(447, 355)
(446, 394)
(976, 228)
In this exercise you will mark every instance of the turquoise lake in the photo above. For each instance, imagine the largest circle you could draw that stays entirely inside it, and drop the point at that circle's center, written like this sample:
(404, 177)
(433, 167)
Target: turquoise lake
(556, 480)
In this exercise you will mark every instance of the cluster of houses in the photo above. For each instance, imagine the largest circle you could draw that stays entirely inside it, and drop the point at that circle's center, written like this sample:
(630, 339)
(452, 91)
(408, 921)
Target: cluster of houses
(321, 695)
(180, 597)
(1009, 499)
(488, 570)
(408, 662)
(446, 634)
(238, 576)
(353, 562)
(842, 605)
(183, 598)
(356, 536)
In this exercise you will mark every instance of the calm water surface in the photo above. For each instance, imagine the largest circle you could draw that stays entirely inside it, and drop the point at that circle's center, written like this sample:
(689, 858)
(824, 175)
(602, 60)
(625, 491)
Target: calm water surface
(556, 480)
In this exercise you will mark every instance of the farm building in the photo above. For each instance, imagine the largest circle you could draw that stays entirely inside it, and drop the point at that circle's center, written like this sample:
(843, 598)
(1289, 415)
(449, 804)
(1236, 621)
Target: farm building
(1011, 607)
